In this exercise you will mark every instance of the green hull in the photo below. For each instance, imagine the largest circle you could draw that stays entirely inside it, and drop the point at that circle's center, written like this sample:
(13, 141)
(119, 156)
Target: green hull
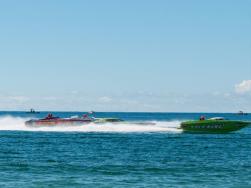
(107, 120)
(213, 126)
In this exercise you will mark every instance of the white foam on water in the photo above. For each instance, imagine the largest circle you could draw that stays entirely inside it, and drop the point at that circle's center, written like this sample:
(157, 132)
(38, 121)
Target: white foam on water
(9, 123)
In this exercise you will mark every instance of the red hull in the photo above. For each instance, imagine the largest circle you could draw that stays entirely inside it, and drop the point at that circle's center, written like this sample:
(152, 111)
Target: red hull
(57, 121)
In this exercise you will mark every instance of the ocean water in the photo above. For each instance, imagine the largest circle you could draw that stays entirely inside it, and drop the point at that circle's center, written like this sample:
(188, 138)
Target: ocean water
(122, 155)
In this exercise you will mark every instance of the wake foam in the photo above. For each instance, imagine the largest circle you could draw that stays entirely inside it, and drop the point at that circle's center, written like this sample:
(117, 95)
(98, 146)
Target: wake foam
(10, 123)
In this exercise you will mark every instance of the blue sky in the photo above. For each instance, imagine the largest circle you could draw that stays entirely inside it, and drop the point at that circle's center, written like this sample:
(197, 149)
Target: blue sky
(163, 55)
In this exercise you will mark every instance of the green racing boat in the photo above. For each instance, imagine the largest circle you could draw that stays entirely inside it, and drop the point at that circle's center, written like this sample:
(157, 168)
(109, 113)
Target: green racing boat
(107, 120)
(213, 125)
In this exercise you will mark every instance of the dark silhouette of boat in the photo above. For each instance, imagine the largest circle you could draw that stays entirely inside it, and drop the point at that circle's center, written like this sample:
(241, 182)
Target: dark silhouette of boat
(242, 113)
(32, 111)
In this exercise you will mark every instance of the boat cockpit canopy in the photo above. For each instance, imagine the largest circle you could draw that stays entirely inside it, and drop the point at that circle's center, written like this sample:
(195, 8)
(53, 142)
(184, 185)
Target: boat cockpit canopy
(217, 118)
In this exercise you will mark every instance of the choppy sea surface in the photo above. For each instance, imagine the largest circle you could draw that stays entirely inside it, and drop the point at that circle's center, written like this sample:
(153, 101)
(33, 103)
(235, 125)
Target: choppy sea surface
(122, 155)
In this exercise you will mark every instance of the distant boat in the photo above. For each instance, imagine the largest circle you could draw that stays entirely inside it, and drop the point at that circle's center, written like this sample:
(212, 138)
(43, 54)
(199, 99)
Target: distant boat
(32, 111)
(242, 113)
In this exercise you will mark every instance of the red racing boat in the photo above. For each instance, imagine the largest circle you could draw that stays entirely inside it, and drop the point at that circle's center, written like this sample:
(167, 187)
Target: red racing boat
(51, 120)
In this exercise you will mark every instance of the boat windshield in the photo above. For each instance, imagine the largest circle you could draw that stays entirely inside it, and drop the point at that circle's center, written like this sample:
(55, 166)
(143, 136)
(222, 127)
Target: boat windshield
(217, 118)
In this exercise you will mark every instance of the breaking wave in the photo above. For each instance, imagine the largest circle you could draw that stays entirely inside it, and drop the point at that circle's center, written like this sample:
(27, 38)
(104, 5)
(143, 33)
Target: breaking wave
(9, 123)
